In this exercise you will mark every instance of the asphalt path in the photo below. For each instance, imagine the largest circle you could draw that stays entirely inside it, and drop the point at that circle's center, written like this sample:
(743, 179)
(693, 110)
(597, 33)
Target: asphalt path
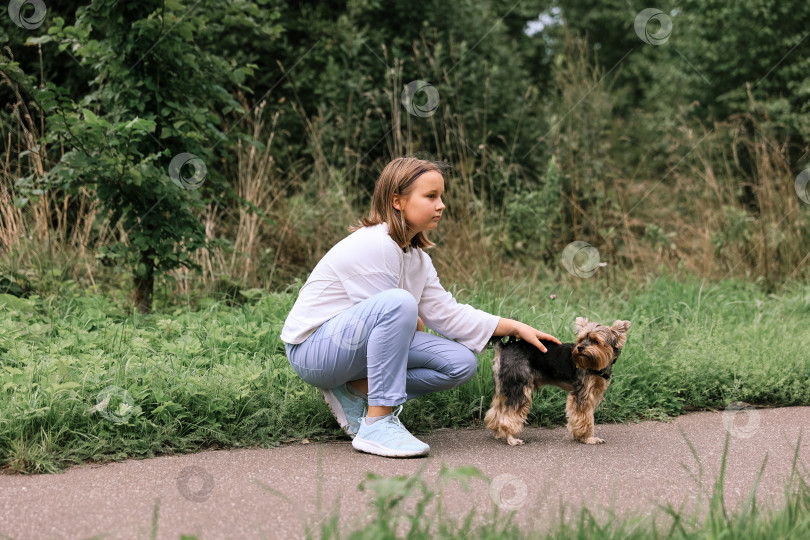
(279, 492)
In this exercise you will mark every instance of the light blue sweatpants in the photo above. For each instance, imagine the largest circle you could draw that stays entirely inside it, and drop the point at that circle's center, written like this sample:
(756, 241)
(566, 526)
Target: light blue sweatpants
(377, 339)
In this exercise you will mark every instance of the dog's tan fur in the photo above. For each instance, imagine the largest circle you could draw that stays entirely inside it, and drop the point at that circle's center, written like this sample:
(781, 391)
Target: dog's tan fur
(598, 342)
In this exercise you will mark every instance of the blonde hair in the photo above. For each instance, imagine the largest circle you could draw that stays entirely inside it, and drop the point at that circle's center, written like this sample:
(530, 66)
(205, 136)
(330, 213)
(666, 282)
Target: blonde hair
(397, 178)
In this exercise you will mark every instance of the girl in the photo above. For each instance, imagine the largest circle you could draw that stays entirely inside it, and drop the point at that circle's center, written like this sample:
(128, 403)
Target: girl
(356, 329)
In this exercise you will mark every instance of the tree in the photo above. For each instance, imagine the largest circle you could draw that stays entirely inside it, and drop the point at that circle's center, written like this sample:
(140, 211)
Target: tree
(153, 114)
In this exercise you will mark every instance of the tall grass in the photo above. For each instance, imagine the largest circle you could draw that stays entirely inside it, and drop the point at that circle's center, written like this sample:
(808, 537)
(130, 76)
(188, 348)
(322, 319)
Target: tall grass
(731, 208)
(649, 193)
(49, 235)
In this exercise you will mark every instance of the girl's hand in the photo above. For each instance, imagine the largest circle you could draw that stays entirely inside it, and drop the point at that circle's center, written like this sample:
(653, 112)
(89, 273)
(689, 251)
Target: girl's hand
(420, 325)
(510, 327)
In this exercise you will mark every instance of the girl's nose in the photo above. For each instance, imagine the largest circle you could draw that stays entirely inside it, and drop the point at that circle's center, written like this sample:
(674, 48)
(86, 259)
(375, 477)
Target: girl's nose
(441, 205)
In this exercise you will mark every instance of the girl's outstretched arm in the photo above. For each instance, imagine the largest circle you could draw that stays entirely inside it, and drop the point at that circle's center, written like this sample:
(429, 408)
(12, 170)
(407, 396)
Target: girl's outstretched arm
(511, 327)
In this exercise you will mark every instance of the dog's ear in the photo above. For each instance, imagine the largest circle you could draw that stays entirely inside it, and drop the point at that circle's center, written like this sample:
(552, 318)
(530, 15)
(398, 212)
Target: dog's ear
(621, 328)
(579, 324)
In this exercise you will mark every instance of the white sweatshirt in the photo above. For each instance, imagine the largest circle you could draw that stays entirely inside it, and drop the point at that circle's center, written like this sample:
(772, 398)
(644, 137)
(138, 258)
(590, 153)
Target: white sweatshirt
(367, 262)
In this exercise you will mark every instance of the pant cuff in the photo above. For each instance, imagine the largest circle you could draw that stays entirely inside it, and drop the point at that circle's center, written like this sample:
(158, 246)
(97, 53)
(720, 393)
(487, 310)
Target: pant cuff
(386, 402)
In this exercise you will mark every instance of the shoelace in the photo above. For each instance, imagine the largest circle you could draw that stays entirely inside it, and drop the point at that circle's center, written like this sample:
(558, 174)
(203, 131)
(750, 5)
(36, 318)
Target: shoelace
(394, 420)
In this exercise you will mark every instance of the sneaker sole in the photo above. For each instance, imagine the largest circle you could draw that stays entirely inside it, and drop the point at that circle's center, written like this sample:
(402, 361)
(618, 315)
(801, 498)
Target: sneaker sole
(337, 411)
(370, 447)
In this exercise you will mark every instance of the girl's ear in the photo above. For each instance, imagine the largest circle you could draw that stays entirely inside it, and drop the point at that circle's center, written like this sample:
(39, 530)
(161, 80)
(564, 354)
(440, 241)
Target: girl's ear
(397, 202)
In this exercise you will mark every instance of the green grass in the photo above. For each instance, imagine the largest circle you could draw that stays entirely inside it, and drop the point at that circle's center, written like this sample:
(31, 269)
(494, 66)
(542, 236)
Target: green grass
(214, 374)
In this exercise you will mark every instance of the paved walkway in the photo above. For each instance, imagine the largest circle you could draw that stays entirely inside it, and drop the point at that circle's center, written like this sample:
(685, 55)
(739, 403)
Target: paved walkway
(275, 493)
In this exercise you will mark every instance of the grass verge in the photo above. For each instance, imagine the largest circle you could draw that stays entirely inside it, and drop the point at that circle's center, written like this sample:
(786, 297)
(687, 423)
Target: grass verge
(81, 379)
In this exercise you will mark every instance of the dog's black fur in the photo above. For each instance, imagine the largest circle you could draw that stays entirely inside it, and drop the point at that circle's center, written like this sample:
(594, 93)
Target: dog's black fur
(582, 368)
(522, 364)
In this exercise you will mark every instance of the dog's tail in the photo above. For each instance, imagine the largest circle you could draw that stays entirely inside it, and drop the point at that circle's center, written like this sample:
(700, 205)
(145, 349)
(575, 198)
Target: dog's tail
(498, 342)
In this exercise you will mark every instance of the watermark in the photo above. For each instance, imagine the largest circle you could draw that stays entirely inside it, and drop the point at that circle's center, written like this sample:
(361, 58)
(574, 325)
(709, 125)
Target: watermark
(187, 182)
(195, 484)
(34, 20)
(115, 404)
(581, 259)
(353, 336)
(642, 26)
(422, 110)
(801, 186)
(508, 492)
(741, 420)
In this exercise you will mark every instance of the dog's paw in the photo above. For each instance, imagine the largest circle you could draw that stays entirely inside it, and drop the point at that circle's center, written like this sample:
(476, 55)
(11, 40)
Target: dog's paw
(593, 440)
(513, 441)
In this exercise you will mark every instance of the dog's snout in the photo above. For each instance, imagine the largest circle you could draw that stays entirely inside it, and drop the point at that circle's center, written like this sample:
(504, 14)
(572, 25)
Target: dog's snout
(580, 348)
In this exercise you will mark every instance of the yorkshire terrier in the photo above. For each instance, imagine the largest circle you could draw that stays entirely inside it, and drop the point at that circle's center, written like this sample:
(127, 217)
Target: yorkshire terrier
(583, 368)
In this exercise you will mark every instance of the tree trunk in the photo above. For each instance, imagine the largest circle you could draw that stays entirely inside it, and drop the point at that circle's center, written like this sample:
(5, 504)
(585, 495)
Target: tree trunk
(144, 287)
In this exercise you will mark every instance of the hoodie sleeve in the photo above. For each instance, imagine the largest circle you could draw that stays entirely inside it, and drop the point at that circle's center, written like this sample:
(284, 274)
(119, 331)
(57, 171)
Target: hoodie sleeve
(471, 327)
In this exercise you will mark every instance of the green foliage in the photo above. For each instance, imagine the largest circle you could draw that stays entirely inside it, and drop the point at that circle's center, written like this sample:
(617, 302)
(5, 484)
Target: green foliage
(718, 52)
(345, 66)
(124, 89)
(737, 232)
(766, 52)
(159, 89)
(14, 283)
(534, 218)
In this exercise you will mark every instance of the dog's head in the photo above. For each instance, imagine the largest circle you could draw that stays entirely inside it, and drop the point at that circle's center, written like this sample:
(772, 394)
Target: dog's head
(598, 346)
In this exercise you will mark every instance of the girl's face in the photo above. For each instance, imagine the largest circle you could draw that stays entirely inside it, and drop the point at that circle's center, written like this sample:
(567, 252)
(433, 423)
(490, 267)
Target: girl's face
(423, 207)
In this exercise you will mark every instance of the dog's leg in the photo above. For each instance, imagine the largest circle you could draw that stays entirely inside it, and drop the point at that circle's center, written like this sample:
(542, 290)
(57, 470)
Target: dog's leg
(507, 419)
(580, 421)
(495, 418)
(511, 404)
(579, 410)
(492, 418)
(516, 416)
